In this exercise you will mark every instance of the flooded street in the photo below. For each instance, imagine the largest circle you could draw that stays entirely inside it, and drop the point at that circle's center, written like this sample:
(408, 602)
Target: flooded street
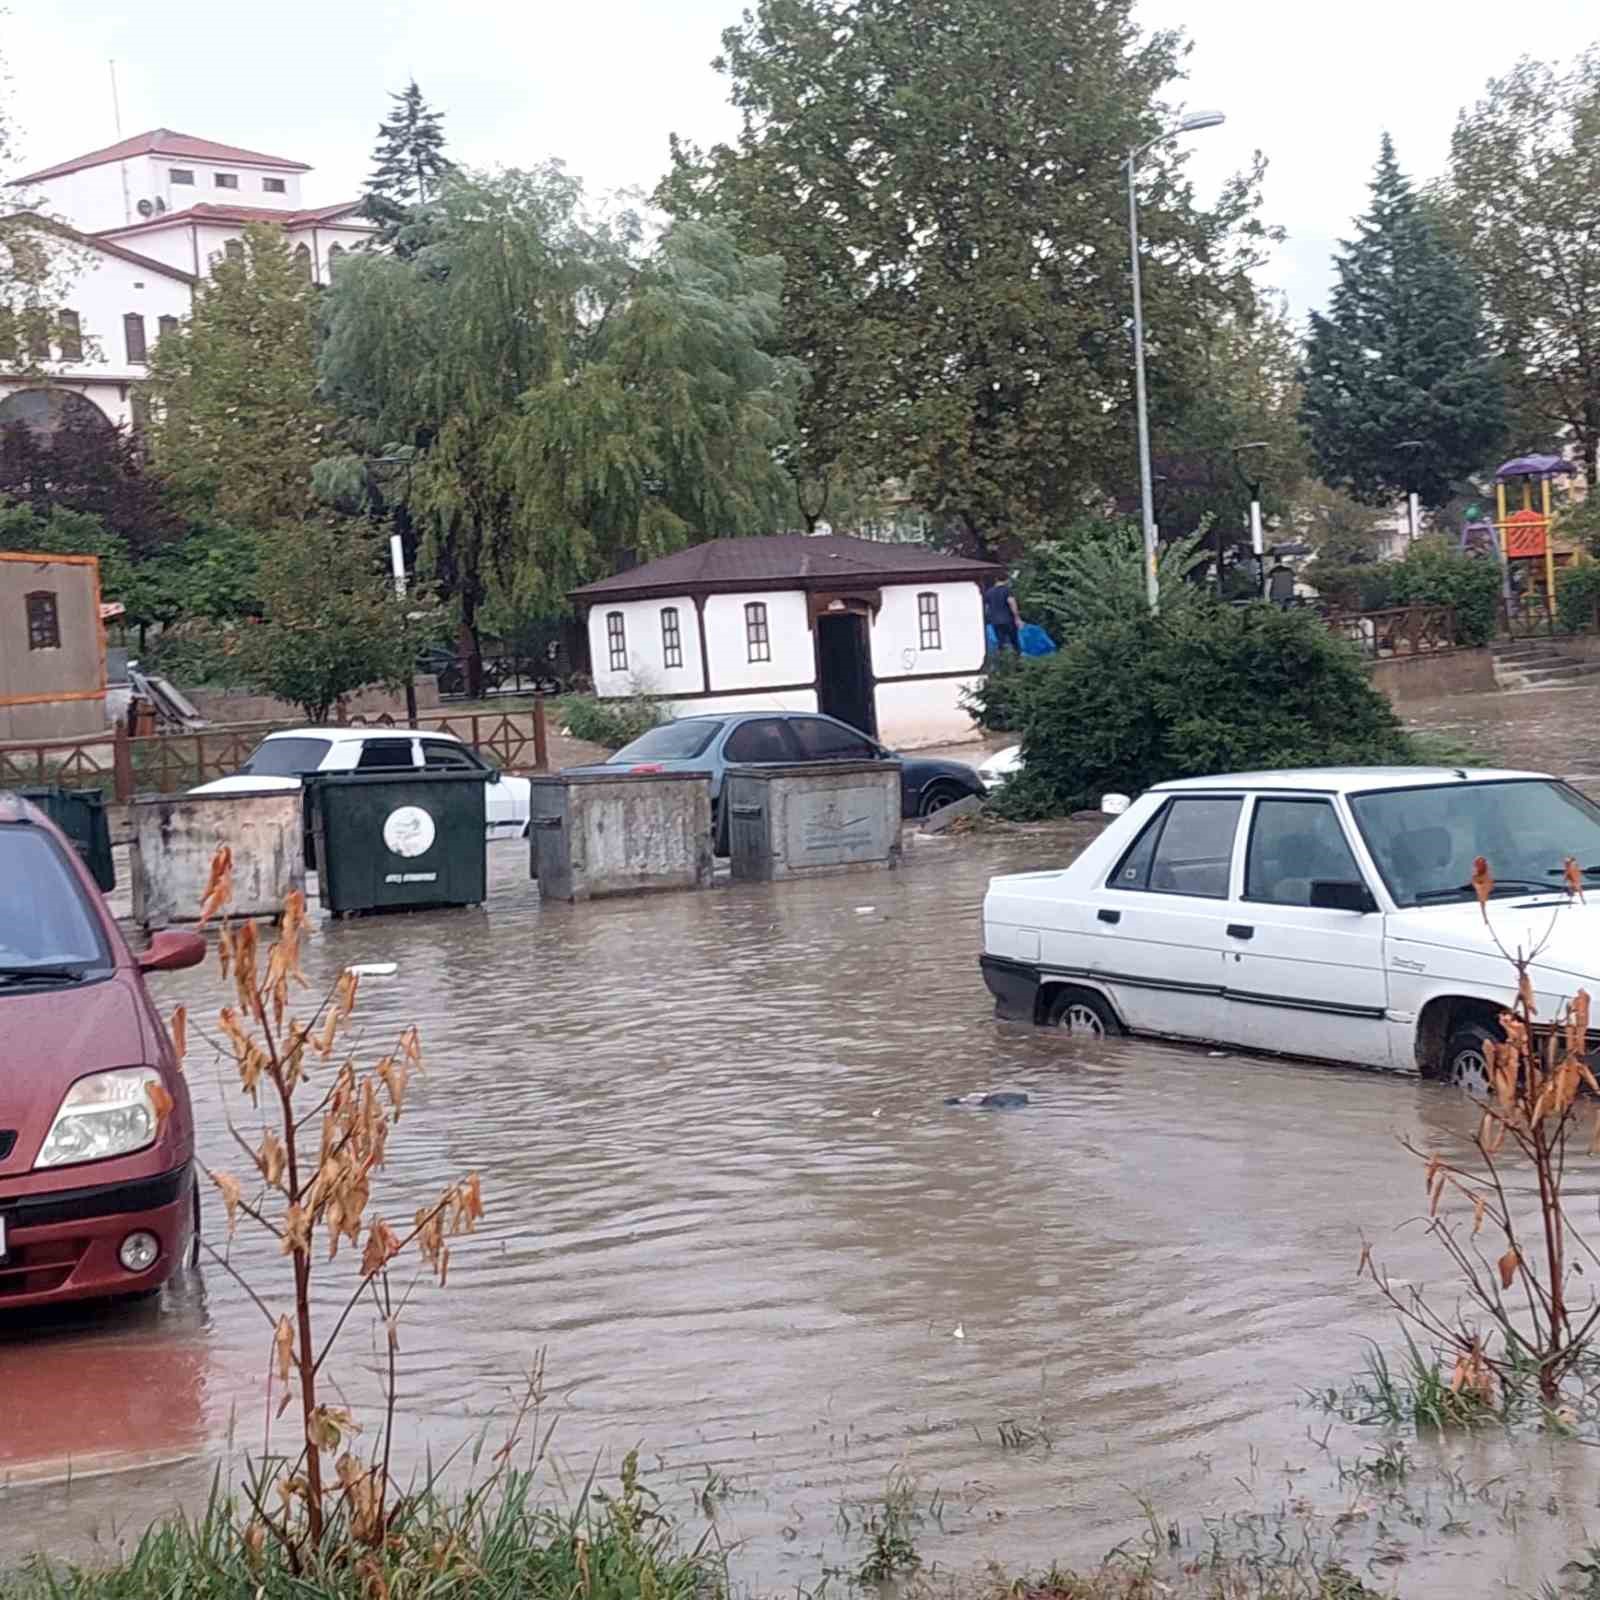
(726, 1201)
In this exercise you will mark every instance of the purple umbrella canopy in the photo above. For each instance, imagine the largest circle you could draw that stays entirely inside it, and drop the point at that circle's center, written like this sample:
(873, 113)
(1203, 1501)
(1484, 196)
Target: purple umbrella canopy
(1534, 467)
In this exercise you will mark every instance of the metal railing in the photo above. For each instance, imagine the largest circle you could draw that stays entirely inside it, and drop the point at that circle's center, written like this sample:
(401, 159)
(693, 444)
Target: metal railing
(168, 763)
(1397, 631)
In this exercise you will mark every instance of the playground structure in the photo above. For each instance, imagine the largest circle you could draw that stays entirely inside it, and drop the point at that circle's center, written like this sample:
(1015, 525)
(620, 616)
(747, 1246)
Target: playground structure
(1522, 537)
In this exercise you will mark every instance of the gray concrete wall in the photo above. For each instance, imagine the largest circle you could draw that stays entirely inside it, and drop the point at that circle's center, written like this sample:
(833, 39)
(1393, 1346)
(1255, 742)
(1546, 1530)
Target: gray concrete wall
(238, 705)
(803, 821)
(594, 836)
(176, 836)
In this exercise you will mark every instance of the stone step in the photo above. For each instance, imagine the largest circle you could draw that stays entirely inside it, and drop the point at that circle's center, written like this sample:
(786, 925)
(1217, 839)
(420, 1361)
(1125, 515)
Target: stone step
(1523, 652)
(1541, 676)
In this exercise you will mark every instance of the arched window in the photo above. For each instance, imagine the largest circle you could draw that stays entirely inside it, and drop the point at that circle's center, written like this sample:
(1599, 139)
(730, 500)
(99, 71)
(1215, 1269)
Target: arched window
(302, 260)
(233, 249)
(335, 251)
(616, 641)
(928, 636)
(45, 410)
(671, 638)
(757, 639)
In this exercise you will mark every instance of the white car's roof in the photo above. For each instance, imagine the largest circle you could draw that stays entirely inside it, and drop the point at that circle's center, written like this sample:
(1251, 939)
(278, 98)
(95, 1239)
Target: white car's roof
(349, 735)
(1346, 780)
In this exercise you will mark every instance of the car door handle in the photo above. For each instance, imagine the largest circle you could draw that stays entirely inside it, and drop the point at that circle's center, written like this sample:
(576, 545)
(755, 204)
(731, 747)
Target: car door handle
(1110, 916)
(1241, 930)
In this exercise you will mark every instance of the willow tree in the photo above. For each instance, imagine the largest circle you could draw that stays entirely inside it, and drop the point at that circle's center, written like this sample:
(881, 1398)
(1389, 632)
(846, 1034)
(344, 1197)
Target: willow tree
(564, 396)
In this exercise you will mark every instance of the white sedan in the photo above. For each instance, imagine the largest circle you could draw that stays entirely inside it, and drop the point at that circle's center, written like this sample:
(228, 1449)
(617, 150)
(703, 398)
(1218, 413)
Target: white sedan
(1325, 913)
(280, 759)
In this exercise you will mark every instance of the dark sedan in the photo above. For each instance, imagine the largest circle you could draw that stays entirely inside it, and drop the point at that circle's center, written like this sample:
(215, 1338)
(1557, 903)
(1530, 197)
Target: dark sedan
(714, 743)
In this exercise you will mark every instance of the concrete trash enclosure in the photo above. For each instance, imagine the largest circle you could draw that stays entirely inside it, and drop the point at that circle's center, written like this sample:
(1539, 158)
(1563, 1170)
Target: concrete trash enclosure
(803, 821)
(594, 834)
(176, 836)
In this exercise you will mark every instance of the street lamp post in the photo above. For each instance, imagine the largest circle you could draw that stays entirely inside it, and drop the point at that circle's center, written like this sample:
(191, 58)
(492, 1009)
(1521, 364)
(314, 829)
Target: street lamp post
(1411, 447)
(1189, 124)
(1252, 481)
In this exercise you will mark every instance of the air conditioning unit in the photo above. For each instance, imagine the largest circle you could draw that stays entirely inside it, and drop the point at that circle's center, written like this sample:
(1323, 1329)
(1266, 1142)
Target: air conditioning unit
(161, 205)
(145, 209)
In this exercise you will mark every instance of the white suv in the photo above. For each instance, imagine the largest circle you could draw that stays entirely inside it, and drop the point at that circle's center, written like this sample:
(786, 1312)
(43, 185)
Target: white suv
(280, 759)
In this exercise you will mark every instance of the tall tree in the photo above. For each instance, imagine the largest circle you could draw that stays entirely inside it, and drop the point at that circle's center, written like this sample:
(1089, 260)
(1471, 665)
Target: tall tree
(569, 396)
(1402, 355)
(408, 165)
(944, 184)
(238, 422)
(1522, 193)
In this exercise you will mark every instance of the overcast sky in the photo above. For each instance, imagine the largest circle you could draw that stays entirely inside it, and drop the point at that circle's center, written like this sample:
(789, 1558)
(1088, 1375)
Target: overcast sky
(601, 84)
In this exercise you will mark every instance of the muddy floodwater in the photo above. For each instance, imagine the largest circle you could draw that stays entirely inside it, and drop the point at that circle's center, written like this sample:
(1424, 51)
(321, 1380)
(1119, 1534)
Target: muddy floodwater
(726, 1201)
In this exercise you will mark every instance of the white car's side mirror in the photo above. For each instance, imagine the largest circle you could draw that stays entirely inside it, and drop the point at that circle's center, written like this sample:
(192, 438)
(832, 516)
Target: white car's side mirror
(1113, 805)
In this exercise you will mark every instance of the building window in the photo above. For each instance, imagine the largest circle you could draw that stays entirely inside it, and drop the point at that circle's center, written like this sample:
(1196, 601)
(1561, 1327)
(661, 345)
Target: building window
(180, 175)
(36, 327)
(133, 333)
(616, 641)
(671, 639)
(233, 249)
(274, 186)
(928, 621)
(139, 406)
(302, 260)
(225, 180)
(44, 626)
(166, 325)
(334, 252)
(71, 333)
(755, 631)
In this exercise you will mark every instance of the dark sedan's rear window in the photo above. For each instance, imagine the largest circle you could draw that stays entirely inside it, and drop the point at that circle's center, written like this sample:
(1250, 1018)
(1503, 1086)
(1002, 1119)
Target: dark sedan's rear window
(45, 919)
(672, 741)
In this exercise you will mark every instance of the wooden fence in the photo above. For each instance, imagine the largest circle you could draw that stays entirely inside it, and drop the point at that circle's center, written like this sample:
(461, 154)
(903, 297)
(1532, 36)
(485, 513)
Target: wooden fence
(1398, 631)
(167, 763)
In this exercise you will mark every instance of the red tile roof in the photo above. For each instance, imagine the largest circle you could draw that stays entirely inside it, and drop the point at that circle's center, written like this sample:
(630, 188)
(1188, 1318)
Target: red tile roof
(164, 142)
(237, 214)
(787, 561)
(94, 242)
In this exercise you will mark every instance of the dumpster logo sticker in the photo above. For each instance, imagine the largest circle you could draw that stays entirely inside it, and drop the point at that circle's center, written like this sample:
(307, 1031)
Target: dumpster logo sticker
(831, 829)
(408, 831)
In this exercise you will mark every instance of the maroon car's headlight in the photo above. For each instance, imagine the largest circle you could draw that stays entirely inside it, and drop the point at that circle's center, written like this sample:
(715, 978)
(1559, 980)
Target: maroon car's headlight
(106, 1114)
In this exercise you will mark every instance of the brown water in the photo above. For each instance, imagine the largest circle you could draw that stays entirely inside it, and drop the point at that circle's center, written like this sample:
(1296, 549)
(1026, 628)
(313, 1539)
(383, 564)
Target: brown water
(726, 1200)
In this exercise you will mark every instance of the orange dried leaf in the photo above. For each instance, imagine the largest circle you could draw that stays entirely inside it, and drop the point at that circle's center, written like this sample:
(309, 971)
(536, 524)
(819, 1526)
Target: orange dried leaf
(1479, 1206)
(273, 1159)
(1482, 880)
(1508, 1264)
(180, 1033)
(296, 1231)
(1366, 1259)
(283, 1348)
(1525, 994)
(156, 1092)
(230, 1190)
(1574, 876)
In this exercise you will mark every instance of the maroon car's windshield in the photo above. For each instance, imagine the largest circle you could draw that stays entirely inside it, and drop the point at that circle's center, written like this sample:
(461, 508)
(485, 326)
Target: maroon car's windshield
(45, 919)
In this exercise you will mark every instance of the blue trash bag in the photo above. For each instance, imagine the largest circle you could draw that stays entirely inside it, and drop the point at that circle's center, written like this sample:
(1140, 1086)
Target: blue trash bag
(1034, 640)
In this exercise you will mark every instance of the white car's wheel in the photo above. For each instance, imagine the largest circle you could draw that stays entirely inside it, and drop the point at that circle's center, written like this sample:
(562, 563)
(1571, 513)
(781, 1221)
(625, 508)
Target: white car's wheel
(1082, 1013)
(1466, 1058)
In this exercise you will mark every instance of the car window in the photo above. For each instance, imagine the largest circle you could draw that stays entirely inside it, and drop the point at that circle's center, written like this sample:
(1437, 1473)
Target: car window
(381, 755)
(44, 920)
(1293, 843)
(286, 758)
(761, 740)
(1426, 840)
(1188, 849)
(821, 740)
(440, 755)
(672, 741)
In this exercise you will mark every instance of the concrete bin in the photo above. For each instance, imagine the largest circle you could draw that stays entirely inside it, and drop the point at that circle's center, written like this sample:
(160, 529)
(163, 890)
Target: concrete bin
(803, 821)
(174, 838)
(593, 834)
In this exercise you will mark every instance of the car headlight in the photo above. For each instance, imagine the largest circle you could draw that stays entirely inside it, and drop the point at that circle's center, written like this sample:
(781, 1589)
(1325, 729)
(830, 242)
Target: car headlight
(105, 1114)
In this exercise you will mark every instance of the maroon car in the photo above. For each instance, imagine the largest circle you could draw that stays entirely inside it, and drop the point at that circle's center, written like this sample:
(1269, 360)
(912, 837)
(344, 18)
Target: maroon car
(97, 1185)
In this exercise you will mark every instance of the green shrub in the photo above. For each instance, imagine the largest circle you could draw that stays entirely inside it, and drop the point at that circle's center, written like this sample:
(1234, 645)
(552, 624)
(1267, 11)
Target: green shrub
(992, 701)
(1578, 595)
(612, 722)
(1433, 573)
(1366, 586)
(1211, 689)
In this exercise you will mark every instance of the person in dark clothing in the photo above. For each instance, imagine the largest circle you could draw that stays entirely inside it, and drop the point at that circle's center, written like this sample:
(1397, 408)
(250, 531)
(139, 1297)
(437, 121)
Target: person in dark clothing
(1000, 612)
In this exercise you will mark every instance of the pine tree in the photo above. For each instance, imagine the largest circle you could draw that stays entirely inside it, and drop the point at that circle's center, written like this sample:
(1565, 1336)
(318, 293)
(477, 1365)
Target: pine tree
(408, 164)
(1402, 355)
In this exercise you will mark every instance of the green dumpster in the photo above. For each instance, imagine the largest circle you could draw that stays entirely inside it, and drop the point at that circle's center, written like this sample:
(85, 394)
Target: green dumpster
(399, 840)
(81, 815)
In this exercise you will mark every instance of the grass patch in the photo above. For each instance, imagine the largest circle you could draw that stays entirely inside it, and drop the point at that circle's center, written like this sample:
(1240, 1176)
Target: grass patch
(1417, 1395)
(481, 1547)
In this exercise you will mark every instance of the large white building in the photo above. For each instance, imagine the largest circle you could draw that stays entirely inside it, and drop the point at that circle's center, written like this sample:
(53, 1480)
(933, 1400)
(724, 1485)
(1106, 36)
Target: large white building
(151, 214)
(883, 636)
